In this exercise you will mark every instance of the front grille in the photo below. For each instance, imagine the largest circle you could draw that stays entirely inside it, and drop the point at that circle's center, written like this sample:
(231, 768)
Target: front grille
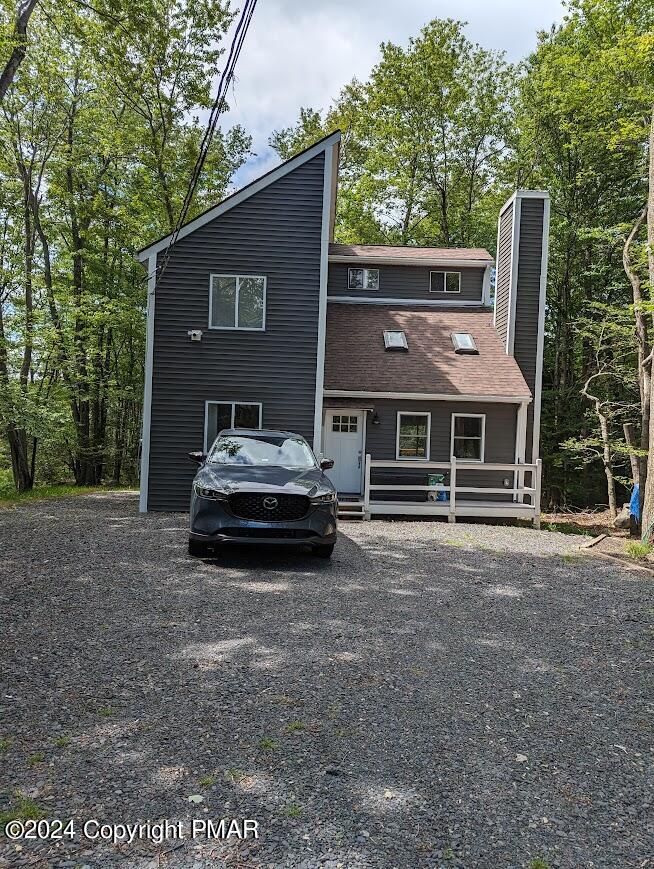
(268, 533)
(251, 505)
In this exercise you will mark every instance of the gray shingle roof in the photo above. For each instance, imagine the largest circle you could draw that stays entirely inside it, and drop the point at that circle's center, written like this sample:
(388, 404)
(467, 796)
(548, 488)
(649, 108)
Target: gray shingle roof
(356, 360)
(429, 254)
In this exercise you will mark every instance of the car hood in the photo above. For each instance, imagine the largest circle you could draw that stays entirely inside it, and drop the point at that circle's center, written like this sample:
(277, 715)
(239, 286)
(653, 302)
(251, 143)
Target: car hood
(233, 478)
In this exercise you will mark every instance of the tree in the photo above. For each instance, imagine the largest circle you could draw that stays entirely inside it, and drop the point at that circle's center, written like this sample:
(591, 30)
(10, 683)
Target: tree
(583, 117)
(424, 141)
(96, 155)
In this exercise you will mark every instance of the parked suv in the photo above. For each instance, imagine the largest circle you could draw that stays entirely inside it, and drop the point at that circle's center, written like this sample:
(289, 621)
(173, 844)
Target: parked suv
(259, 486)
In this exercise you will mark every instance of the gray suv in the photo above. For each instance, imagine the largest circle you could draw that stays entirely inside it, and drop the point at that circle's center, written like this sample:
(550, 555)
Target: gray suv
(259, 486)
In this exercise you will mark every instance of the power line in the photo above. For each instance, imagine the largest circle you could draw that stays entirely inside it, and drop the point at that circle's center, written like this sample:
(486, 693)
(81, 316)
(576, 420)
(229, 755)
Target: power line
(217, 108)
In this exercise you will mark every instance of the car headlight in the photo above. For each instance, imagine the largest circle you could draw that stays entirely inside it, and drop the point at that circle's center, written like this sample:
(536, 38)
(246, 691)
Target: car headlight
(213, 494)
(329, 498)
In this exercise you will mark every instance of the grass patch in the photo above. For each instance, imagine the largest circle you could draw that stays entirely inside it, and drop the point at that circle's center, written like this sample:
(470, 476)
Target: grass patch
(638, 550)
(571, 558)
(63, 741)
(295, 727)
(268, 744)
(235, 775)
(10, 497)
(5, 743)
(538, 864)
(106, 711)
(292, 810)
(207, 781)
(36, 759)
(566, 528)
(23, 809)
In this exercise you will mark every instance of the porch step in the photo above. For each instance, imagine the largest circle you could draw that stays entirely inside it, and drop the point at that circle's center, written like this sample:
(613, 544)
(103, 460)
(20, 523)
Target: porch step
(351, 509)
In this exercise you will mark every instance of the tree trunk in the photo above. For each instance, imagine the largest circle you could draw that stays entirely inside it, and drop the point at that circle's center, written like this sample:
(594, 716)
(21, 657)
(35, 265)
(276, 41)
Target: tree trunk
(606, 459)
(20, 48)
(644, 349)
(630, 438)
(648, 500)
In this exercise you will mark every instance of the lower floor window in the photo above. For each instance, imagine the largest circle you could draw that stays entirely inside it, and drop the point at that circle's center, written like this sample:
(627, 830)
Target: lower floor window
(468, 436)
(229, 414)
(413, 435)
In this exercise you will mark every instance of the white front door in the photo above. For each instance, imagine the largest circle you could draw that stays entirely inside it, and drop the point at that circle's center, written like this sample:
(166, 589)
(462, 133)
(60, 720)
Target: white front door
(343, 442)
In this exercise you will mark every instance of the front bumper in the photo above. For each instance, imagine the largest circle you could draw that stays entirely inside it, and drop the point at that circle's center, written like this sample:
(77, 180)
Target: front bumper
(212, 522)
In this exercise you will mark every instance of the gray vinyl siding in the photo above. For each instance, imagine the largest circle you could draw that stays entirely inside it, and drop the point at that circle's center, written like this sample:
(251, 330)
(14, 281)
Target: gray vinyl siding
(406, 282)
(528, 299)
(276, 233)
(503, 273)
(381, 441)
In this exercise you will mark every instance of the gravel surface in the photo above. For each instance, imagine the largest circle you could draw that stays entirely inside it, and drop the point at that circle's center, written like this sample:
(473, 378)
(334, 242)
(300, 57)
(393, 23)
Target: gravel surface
(437, 696)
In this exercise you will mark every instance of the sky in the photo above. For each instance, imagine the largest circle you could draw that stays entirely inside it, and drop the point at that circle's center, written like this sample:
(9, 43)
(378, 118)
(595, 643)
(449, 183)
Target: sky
(302, 52)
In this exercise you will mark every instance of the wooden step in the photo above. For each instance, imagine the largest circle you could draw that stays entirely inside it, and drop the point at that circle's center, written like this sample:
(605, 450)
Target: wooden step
(353, 509)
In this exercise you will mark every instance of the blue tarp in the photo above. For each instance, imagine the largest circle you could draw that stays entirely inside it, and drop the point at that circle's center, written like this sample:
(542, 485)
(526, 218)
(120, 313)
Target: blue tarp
(634, 503)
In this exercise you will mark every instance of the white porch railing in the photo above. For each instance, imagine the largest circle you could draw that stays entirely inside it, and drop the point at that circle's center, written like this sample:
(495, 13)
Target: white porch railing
(456, 505)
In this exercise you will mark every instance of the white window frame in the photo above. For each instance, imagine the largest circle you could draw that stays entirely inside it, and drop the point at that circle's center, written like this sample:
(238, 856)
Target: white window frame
(237, 328)
(445, 274)
(365, 278)
(482, 449)
(231, 422)
(400, 414)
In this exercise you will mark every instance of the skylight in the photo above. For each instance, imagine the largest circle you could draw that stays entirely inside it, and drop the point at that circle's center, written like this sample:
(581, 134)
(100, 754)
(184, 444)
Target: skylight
(464, 342)
(395, 340)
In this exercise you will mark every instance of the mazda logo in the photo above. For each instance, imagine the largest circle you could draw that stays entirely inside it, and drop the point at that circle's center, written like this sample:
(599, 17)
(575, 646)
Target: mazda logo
(270, 503)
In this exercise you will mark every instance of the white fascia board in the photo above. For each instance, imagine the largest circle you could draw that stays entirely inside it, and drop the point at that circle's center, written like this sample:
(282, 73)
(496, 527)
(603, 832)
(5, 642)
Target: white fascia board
(429, 396)
(147, 387)
(327, 196)
(241, 195)
(411, 303)
(361, 261)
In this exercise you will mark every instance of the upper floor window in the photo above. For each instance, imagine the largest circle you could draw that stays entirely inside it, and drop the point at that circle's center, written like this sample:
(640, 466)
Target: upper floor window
(363, 279)
(219, 415)
(468, 436)
(445, 282)
(237, 302)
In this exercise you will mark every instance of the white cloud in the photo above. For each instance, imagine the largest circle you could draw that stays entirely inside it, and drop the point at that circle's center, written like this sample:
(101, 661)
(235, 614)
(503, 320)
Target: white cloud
(300, 53)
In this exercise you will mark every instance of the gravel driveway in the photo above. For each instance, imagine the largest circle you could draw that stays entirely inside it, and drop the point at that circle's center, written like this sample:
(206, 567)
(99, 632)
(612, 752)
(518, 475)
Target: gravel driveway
(437, 696)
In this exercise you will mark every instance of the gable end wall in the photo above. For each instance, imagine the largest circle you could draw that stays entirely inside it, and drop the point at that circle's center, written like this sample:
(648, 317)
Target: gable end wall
(276, 233)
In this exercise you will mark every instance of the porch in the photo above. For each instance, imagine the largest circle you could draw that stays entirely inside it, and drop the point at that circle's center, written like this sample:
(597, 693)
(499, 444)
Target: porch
(459, 500)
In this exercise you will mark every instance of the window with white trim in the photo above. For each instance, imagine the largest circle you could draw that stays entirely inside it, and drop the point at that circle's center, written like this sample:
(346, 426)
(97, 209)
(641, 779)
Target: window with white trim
(412, 440)
(237, 302)
(468, 436)
(229, 414)
(444, 282)
(363, 279)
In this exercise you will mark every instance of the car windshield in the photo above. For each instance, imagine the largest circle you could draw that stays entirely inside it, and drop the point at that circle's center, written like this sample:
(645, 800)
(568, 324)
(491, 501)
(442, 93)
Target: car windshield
(274, 450)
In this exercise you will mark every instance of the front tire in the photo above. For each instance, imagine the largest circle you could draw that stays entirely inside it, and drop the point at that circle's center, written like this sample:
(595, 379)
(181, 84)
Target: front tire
(197, 548)
(324, 550)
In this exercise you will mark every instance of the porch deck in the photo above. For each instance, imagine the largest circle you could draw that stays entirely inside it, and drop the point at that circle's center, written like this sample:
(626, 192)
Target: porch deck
(457, 504)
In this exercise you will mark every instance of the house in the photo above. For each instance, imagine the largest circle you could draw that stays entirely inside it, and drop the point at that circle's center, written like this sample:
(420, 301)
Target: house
(392, 360)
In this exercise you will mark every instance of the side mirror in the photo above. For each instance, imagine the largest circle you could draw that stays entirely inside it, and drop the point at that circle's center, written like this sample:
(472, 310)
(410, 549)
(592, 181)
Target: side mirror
(326, 464)
(197, 457)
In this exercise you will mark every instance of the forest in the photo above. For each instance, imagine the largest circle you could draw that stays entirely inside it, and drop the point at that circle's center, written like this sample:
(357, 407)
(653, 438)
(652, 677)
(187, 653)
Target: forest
(100, 128)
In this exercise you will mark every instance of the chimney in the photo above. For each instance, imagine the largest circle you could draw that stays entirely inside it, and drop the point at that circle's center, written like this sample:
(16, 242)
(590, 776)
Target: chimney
(520, 284)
